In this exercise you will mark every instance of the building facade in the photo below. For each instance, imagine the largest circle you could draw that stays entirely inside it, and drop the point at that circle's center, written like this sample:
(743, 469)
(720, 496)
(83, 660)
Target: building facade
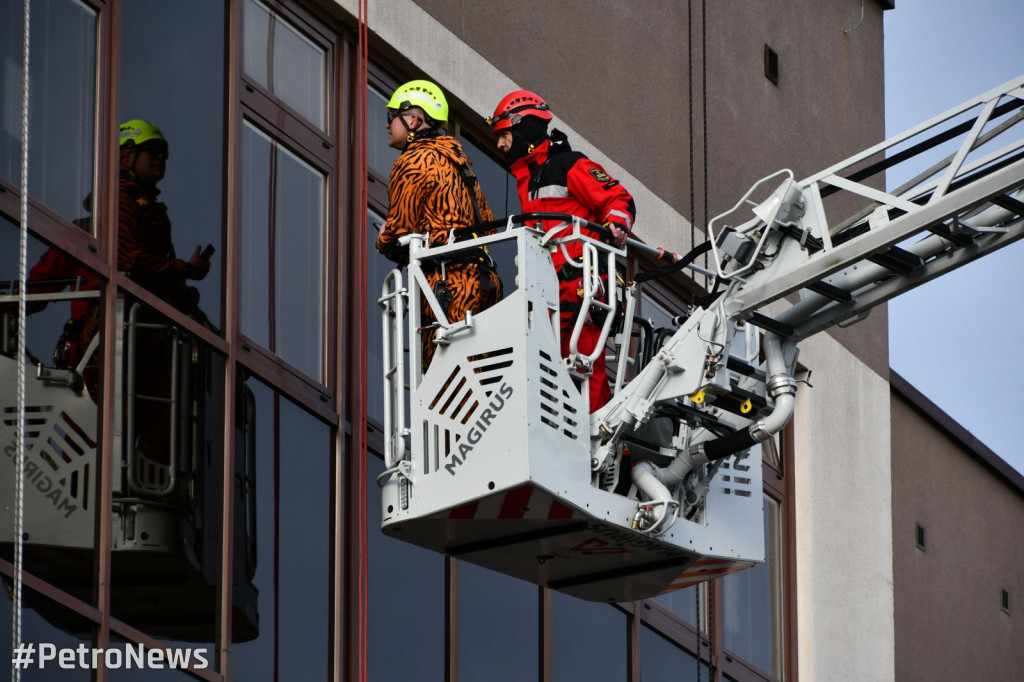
(267, 554)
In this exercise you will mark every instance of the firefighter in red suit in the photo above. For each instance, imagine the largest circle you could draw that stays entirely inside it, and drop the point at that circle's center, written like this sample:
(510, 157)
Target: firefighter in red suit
(552, 178)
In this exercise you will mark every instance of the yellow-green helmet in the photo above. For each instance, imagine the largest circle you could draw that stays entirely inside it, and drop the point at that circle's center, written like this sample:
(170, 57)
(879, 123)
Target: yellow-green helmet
(423, 94)
(138, 131)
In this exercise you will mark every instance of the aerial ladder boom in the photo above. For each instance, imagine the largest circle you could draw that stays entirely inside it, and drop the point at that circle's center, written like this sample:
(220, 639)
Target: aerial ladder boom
(498, 462)
(956, 211)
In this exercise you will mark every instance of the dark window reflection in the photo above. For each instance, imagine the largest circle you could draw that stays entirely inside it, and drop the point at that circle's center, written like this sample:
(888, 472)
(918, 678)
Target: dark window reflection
(498, 184)
(499, 187)
(292, 525)
(753, 603)
(379, 156)
(682, 603)
(283, 237)
(127, 669)
(378, 267)
(61, 387)
(497, 622)
(62, 97)
(581, 628)
(662, 661)
(285, 62)
(172, 75)
(167, 485)
(44, 621)
(406, 603)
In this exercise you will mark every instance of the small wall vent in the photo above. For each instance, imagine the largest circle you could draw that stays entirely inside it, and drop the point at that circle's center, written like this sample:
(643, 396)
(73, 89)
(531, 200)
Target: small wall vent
(771, 64)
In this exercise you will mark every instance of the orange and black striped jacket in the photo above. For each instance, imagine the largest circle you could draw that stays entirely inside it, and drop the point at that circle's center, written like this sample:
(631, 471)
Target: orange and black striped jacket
(428, 195)
(144, 247)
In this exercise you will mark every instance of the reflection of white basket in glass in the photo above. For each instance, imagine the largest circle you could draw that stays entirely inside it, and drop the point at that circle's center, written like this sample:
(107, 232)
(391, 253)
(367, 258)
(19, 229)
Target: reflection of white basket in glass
(60, 459)
(164, 513)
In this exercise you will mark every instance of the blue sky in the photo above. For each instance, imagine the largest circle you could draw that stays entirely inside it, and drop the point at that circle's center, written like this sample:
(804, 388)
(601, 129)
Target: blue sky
(957, 338)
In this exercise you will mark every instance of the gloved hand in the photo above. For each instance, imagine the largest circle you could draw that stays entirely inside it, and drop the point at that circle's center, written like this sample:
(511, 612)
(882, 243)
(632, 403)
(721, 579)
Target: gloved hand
(197, 266)
(619, 233)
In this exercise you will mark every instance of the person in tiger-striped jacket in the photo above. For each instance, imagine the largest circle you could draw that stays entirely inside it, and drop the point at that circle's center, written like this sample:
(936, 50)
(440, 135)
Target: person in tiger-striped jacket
(433, 190)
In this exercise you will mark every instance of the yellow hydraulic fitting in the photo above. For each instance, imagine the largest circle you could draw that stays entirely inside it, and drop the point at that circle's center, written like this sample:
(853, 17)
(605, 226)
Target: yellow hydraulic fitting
(698, 397)
(746, 406)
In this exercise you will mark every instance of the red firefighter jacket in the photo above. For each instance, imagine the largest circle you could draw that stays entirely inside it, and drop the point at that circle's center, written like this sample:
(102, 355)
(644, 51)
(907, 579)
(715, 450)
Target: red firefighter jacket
(556, 179)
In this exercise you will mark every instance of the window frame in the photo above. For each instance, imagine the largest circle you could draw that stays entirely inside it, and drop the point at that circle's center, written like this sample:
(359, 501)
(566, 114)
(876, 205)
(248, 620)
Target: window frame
(318, 148)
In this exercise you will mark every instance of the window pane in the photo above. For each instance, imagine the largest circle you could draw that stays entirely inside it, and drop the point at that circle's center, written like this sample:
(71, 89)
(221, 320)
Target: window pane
(62, 103)
(497, 622)
(285, 62)
(172, 75)
(46, 621)
(378, 267)
(379, 156)
(290, 518)
(167, 481)
(682, 603)
(662, 661)
(498, 184)
(753, 601)
(298, 263)
(407, 598)
(283, 252)
(257, 201)
(254, 455)
(499, 187)
(124, 666)
(61, 457)
(578, 629)
(303, 552)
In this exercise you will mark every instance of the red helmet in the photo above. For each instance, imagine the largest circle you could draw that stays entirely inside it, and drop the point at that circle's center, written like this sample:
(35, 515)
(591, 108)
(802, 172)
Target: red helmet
(514, 106)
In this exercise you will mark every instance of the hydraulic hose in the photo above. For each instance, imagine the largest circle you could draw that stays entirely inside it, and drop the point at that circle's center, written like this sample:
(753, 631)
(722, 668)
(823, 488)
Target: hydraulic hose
(655, 482)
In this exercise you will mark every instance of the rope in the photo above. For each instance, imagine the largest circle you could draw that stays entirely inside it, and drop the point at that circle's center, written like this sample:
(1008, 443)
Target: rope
(689, 86)
(704, 140)
(19, 485)
(704, 115)
(362, 474)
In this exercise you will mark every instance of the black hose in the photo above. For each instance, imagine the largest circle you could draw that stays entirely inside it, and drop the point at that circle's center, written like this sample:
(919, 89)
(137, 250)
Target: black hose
(686, 260)
(721, 448)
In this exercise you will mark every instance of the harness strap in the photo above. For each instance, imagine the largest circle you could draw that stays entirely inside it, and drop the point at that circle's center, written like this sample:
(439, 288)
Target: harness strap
(466, 173)
(478, 256)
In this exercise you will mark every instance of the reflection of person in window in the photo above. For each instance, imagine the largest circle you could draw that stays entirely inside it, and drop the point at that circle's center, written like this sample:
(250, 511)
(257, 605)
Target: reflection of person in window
(146, 254)
(145, 250)
(55, 272)
(433, 190)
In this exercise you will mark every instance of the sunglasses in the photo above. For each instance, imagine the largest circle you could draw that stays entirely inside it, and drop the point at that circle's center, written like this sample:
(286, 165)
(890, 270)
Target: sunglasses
(154, 148)
(392, 115)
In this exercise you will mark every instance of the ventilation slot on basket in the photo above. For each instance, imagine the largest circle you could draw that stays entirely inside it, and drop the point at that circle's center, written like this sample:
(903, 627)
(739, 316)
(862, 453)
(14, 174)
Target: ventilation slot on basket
(556, 413)
(438, 444)
(458, 402)
(489, 368)
(734, 478)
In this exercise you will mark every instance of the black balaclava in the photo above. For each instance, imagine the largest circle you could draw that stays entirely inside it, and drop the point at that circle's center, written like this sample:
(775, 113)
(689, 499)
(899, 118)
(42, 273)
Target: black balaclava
(527, 134)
